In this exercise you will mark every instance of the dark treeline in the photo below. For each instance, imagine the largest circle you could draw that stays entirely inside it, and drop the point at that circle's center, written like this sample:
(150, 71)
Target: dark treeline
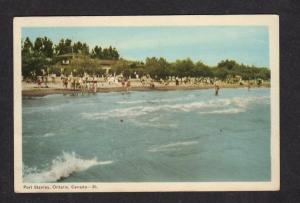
(160, 68)
(44, 47)
(43, 54)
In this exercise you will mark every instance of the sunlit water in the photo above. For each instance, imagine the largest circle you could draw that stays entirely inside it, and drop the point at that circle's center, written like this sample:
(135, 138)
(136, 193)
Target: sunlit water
(188, 135)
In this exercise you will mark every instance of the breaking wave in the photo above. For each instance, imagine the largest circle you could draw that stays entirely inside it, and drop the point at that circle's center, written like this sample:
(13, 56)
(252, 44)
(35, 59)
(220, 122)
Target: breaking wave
(171, 146)
(225, 111)
(236, 105)
(62, 167)
(156, 100)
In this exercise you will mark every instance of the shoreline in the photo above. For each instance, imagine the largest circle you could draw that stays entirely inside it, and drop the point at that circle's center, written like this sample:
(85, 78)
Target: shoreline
(40, 92)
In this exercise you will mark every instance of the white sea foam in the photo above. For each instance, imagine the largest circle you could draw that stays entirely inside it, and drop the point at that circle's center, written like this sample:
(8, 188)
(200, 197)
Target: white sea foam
(61, 167)
(39, 136)
(153, 124)
(132, 102)
(133, 112)
(236, 105)
(156, 100)
(225, 111)
(48, 135)
(171, 146)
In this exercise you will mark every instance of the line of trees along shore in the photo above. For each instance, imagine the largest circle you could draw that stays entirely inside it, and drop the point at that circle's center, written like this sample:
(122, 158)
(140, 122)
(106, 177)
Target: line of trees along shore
(44, 54)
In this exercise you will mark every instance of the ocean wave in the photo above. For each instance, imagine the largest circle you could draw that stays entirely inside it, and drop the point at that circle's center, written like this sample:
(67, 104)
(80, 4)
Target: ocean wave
(39, 136)
(133, 112)
(48, 135)
(154, 124)
(225, 111)
(132, 102)
(215, 105)
(188, 97)
(62, 167)
(171, 146)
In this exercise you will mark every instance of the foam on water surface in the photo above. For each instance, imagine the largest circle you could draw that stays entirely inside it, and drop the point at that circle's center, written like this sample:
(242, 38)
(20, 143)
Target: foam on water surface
(172, 146)
(167, 136)
(234, 105)
(61, 167)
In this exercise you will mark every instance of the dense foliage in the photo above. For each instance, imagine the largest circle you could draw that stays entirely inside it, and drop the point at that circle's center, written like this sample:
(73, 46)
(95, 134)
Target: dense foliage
(44, 55)
(105, 53)
(159, 68)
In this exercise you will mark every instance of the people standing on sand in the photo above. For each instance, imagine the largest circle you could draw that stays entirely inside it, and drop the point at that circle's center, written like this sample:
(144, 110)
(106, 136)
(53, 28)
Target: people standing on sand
(152, 85)
(73, 83)
(65, 81)
(77, 85)
(142, 80)
(46, 81)
(177, 82)
(80, 84)
(70, 82)
(217, 90)
(39, 82)
(95, 86)
(123, 83)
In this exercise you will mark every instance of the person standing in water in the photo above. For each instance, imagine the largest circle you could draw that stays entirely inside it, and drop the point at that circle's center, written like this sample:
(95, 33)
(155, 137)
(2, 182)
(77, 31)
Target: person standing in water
(217, 90)
(128, 85)
(249, 86)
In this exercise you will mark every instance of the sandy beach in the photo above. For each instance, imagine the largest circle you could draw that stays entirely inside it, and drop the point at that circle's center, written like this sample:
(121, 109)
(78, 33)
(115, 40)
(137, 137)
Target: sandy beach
(32, 89)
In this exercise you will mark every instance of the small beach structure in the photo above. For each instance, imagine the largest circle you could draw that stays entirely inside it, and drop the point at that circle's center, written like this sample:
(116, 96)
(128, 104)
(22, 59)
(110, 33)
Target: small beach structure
(65, 58)
(107, 64)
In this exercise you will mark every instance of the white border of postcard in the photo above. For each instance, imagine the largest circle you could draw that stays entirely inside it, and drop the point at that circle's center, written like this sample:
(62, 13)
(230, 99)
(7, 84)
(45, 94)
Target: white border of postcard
(271, 21)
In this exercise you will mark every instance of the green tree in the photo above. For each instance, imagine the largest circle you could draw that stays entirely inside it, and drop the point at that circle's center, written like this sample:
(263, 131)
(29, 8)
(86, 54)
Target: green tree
(81, 48)
(43, 47)
(220, 72)
(184, 68)
(64, 47)
(47, 47)
(157, 68)
(201, 70)
(33, 65)
(110, 53)
(27, 47)
(122, 67)
(228, 64)
(97, 52)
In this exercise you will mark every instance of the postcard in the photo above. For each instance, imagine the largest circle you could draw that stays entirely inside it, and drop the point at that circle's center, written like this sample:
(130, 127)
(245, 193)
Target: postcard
(146, 103)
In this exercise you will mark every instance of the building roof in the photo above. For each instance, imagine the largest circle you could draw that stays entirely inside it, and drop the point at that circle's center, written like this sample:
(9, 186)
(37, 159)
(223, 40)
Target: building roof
(70, 55)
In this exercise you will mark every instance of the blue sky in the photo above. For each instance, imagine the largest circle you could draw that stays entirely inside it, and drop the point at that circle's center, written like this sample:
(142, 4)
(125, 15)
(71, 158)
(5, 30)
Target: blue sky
(210, 44)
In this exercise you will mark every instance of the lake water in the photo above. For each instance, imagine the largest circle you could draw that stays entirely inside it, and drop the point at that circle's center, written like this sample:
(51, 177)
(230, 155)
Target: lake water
(188, 135)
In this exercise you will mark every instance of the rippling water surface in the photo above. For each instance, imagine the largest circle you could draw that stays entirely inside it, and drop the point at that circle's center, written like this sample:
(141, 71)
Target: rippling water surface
(163, 136)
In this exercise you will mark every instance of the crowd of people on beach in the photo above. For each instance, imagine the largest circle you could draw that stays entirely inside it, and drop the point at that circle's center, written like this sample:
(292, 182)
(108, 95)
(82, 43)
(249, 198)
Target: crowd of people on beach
(79, 83)
(85, 83)
(88, 83)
